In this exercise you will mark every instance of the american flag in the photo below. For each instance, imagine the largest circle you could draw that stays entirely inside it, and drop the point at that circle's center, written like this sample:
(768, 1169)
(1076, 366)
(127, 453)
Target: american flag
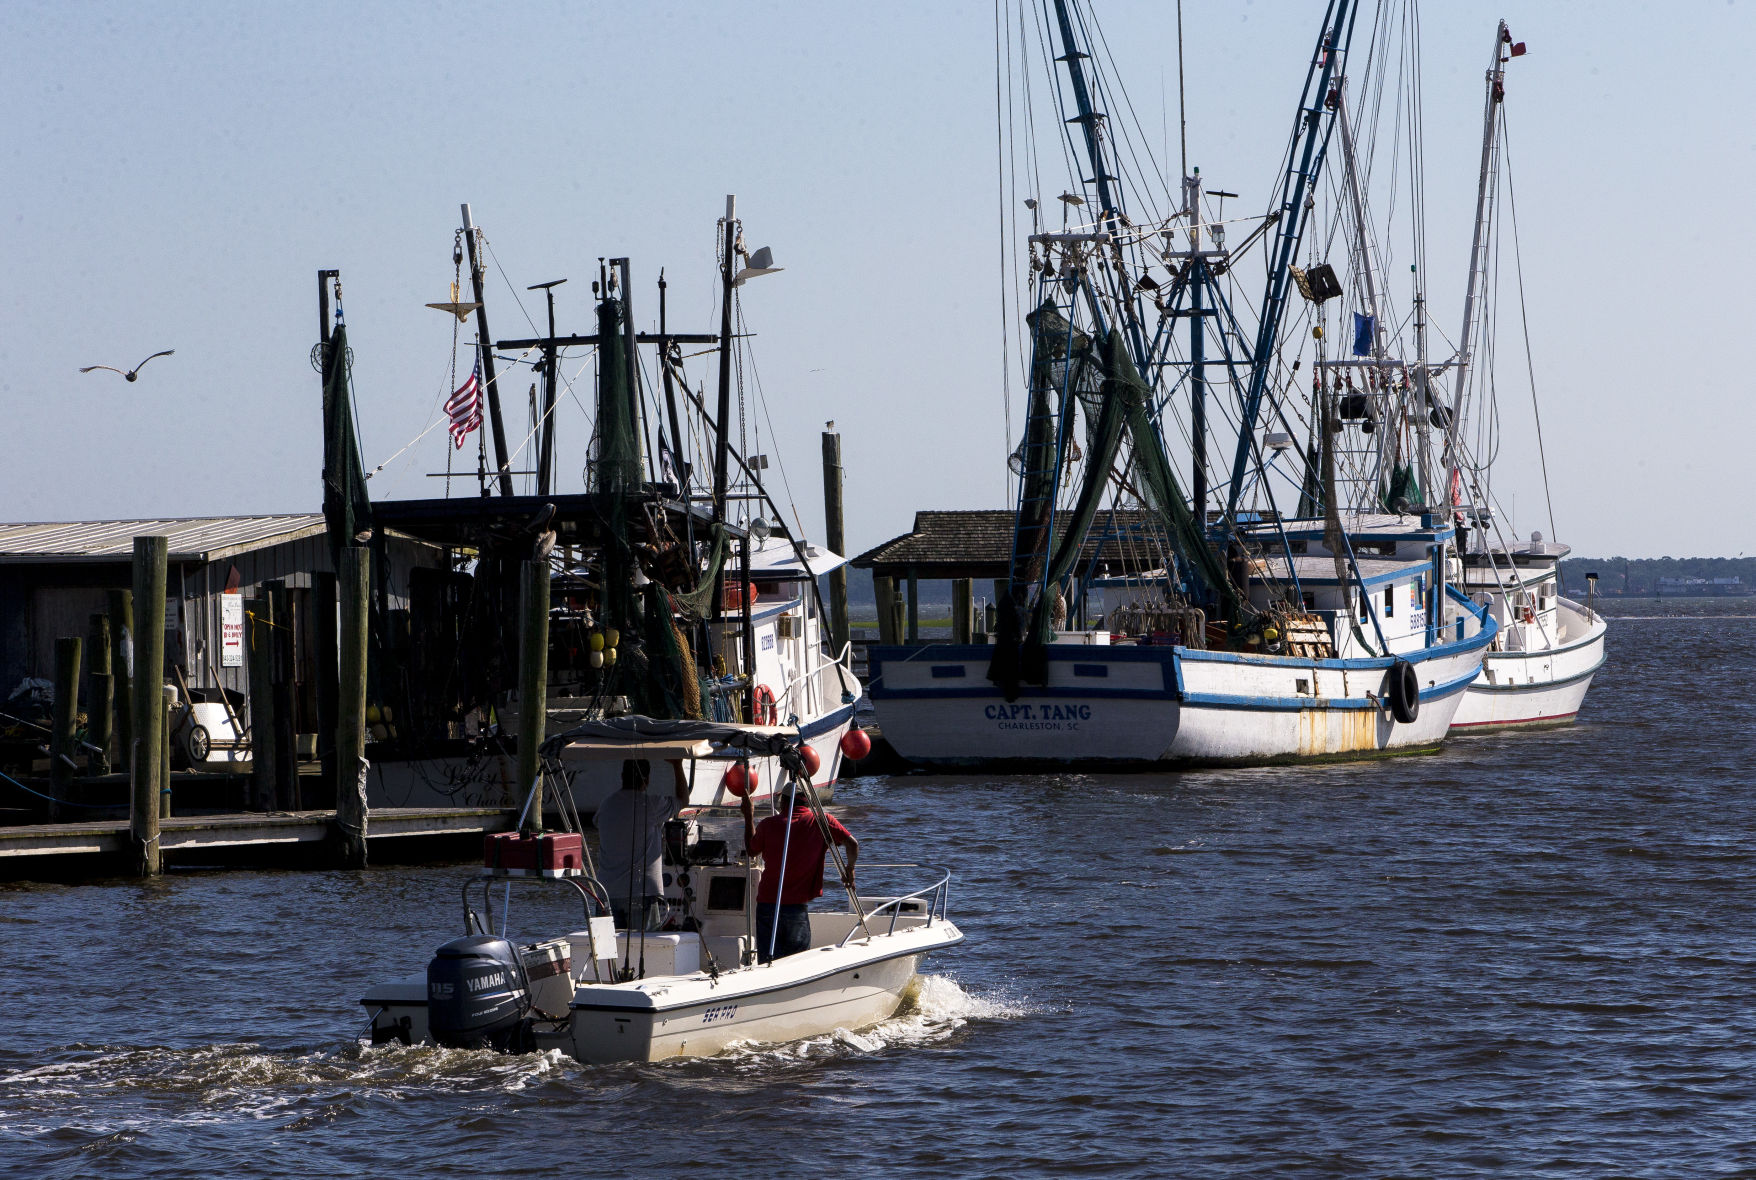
(465, 407)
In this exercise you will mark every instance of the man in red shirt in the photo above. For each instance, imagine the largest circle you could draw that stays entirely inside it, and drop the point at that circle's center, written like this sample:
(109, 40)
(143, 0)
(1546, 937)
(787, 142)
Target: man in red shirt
(803, 850)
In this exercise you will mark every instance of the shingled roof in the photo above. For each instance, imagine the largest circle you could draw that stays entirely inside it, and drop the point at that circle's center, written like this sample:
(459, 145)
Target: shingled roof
(977, 543)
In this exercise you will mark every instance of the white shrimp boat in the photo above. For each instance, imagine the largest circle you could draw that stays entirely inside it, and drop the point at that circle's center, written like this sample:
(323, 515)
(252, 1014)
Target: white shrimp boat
(1536, 673)
(1233, 630)
(599, 994)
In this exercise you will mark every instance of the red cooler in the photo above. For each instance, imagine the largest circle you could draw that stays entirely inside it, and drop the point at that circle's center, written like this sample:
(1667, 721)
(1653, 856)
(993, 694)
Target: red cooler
(551, 852)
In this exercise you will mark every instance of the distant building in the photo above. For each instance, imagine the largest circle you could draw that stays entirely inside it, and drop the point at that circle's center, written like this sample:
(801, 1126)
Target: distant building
(1702, 587)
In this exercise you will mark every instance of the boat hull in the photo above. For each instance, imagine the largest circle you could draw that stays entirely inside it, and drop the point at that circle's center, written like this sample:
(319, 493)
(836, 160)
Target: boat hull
(810, 994)
(1156, 706)
(1538, 689)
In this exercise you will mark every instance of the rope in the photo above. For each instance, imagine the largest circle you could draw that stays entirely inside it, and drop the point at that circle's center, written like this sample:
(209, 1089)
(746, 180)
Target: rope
(64, 802)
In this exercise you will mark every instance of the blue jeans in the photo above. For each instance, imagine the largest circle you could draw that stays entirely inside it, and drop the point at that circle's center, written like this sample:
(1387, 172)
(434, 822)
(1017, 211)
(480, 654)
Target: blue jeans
(794, 934)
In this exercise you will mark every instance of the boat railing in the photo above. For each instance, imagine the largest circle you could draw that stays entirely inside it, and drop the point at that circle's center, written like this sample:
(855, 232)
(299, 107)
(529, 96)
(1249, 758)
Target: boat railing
(841, 660)
(591, 892)
(938, 897)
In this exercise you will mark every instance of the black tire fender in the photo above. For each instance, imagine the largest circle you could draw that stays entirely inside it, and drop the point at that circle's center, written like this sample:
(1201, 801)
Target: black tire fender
(1402, 688)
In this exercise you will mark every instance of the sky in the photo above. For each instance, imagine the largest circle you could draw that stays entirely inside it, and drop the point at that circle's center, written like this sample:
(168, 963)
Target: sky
(176, 174)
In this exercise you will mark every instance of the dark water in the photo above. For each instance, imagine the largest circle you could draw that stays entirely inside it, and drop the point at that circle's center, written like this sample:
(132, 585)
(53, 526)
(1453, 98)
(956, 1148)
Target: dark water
(1529, 955)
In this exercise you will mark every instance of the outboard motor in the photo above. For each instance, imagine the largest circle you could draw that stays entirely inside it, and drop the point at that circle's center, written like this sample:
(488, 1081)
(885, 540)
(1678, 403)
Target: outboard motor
(478, 996)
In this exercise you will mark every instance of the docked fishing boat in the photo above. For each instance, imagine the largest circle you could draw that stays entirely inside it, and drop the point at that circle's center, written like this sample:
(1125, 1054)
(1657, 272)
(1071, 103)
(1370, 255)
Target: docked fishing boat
(694, 987)
(1137, 625)
(672, 587)
(1547, 648)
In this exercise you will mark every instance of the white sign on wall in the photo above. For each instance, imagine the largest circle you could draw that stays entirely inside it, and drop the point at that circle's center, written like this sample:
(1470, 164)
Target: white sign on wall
(231, 630)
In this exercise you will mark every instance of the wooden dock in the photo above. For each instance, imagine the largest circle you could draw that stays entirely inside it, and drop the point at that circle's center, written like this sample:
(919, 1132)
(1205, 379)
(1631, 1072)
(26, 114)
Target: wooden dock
(393, 833)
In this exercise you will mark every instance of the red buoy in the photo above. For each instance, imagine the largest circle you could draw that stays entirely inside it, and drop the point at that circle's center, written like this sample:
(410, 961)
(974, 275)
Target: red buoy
(813, 761)
(855, 745)
(740, 780)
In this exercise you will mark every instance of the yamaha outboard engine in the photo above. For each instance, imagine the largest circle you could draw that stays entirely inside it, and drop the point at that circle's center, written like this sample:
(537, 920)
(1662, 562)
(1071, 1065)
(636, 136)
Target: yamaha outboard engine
(478, 996)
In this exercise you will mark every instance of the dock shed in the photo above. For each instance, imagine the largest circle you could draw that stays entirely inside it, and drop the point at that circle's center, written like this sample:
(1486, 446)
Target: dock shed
(55, 576)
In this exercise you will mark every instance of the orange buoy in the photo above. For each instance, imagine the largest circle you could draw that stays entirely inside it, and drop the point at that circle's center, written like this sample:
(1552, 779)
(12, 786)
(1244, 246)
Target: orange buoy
(855, 745)
(740, 780)
(813, 761)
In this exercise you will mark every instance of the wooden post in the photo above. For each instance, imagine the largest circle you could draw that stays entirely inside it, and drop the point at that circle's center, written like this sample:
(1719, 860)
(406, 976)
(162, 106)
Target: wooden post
(353, 587)
(98, 698)
(122, 663)
(884, 594)
(962, 608)
(165, 757)
(259, 612)
(834, 538)
(533, 685)
(330, 678)
(61, 747)
(914, 608)
(286, 744)
(146, 757)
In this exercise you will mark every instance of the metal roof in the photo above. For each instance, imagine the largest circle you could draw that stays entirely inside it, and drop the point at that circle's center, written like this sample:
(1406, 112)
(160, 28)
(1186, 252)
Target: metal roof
(201, 538)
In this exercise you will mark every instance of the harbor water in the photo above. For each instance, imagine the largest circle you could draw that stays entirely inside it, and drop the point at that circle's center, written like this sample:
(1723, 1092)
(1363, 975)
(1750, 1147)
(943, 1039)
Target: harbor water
(1527, 955)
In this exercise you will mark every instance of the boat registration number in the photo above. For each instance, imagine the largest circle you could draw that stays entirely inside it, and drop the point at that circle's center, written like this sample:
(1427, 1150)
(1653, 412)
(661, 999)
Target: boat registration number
(718, 1013)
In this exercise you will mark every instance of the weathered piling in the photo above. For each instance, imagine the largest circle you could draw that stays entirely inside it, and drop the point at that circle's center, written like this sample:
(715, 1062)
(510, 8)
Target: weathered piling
(533, 683)
(170, 695)
(835, 539)
(99, 694)
(147, 754)
(884, 595)
(286, 744)
(259, 612)
(325, 605)
(962, 610)
(61, 742)
(122, 663)
(353, 590)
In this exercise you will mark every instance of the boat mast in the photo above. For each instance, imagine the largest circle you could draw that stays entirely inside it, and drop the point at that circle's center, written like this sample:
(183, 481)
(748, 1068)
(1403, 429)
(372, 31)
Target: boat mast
(1304, 163)
(723, 421)
(1367, 267)
(546, 426)
(1504, 50)
(484, 342)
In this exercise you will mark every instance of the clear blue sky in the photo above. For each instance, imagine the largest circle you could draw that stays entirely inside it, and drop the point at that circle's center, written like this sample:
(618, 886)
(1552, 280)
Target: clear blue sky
(175, 174)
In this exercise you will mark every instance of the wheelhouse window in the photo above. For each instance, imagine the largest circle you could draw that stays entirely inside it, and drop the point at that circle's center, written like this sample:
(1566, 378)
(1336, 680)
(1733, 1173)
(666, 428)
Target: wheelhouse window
(1390, 602)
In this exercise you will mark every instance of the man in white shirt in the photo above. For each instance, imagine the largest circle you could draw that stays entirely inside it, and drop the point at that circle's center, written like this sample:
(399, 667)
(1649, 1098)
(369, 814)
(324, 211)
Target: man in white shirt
(631, 844)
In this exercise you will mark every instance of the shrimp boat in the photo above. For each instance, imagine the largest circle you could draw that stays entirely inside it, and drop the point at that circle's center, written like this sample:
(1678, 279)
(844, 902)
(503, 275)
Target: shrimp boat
(1546, 648)
(1136, 626)
(671, 594)
(1538, 670)
(601, 994)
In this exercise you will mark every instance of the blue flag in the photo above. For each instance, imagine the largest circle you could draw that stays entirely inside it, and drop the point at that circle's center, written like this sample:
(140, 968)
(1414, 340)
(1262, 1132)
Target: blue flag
(1364, 326)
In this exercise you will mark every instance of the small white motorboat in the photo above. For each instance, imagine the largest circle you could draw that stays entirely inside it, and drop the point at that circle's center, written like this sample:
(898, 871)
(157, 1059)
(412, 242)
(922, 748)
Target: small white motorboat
(602, 994)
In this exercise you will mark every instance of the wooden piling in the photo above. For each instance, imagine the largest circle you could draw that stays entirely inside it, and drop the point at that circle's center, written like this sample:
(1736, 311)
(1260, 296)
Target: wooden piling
(914, 607)
(962, 610)
(122, 664)
(352, 588)
(147, 754)
(286, 743)
(533, 684)
(836, 540)
(325, 604)
(259, 613)
(99, 694)
(61, 747)
(884, 592)
(165, 756)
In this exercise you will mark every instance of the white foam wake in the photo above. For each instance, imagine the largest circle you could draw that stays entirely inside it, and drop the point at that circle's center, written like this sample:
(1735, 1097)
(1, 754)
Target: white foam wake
(934, 1008)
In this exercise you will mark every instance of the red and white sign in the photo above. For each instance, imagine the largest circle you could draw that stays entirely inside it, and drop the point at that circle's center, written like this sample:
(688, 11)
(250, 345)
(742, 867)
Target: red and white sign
(231, 629)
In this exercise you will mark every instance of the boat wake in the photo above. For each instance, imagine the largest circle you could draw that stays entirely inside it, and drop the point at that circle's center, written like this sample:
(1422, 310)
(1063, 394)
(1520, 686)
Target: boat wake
(934, 1009)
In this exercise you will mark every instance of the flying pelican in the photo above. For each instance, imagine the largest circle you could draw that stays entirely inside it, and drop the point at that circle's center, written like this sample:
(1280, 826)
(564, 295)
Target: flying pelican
(132, 374)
